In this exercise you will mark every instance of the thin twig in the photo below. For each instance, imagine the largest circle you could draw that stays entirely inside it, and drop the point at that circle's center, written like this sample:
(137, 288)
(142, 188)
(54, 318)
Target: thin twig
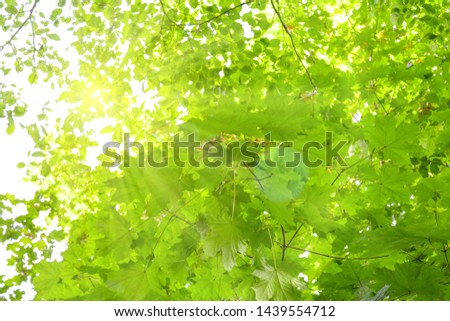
(254, 175)
(180, 218)
(157, 242)
(349, 19)
(163, 8)
(285, 27)
(170, 220)
(338, 257)
(354, 164)
(199, 23)
(34, 45)
(30, 15)
(344, 169)
(234, 194)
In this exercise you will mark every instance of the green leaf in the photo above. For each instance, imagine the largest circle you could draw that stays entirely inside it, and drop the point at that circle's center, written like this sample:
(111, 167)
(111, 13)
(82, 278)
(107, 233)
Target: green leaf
(118, 236)
(414, 279)
(33, 78)
(275, 283)
(10, 129)
(133, 282)
(45, 169)
(395, 140)
(56, 281)
(227, 238)
(54, 36)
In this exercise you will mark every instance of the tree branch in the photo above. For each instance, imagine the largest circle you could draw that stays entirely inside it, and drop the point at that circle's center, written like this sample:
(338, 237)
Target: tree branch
(285, 27)
(200, 23)
(219, 15)
(30, 15)
(338, 257)
(163, 8)
(285, 246)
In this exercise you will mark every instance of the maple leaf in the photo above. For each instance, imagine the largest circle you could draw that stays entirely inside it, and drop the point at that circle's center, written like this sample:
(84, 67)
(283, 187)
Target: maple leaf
(276, 284)
(395, 140)
(56, 280)
(227, 238)
(134, 282)
(118, 237)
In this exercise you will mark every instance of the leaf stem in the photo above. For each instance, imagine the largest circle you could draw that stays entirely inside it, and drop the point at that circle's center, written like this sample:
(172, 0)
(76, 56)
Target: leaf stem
(445, 250)
(34, 45)
(295, 234)
(156, 243)
(284, 243)
(173, 215)
(273, 252)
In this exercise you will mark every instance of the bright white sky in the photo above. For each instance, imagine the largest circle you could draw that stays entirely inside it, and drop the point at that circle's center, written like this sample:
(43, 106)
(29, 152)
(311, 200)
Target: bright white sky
(16, 147)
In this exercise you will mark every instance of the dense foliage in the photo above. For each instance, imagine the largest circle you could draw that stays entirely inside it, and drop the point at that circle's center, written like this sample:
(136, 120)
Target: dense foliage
(373, 73)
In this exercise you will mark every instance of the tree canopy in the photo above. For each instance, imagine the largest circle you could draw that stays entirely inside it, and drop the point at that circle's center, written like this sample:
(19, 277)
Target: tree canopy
(373, 225)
